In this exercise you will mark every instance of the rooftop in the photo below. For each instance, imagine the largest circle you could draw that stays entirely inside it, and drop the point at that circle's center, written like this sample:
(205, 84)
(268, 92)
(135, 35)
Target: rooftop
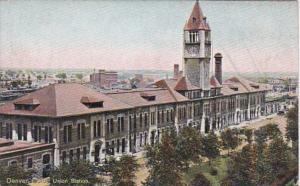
(9, 146)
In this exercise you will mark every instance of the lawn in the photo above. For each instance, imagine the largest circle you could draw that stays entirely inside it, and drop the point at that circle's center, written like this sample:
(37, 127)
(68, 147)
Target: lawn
(219, 163)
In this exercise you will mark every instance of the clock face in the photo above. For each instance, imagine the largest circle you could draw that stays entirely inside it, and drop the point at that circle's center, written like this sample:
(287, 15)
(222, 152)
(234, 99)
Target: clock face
(192, 50)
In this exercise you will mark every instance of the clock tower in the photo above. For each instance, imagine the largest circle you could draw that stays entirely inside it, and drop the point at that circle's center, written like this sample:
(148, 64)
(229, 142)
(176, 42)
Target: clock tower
(197, 49)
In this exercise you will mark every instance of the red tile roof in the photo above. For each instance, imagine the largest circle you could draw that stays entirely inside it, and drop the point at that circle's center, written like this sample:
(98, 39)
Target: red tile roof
(197, 20)
(184, 84)
(135, 98)
(214, 82)
(237, 85)
(63, 100)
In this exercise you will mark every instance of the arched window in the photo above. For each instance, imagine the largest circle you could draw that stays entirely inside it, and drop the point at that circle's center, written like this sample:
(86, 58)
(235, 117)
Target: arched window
(46, 159)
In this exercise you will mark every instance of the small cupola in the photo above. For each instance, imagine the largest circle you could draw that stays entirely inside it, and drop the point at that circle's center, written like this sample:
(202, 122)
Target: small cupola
(148, 96)
(27, 104)
(91, 102)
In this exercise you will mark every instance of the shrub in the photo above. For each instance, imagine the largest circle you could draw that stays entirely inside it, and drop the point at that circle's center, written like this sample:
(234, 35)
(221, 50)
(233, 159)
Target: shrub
(213, 171)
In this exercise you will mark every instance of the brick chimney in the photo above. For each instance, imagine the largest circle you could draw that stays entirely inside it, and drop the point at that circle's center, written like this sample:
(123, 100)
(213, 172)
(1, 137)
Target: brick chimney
(176, 71)
(218, 67)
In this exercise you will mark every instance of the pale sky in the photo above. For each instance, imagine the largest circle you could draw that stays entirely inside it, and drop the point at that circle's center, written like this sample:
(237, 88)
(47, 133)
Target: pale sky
(252, 36)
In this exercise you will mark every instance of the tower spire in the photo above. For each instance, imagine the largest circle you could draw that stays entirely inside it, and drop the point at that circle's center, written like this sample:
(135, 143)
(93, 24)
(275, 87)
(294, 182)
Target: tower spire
(197, 20)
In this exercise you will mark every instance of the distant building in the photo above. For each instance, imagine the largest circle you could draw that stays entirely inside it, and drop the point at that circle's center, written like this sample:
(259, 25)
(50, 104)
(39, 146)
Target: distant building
(286, 84)
(104, 79)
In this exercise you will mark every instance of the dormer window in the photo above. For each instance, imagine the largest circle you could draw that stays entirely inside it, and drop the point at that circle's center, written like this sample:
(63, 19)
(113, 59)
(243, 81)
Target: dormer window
(233, 87)
(148, 97)
(27, 104)
(254, 86)
(91, 102)
(194, 20)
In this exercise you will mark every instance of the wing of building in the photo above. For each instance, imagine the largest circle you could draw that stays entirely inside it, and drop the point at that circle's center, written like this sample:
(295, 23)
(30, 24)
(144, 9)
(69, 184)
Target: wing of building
(81, 123)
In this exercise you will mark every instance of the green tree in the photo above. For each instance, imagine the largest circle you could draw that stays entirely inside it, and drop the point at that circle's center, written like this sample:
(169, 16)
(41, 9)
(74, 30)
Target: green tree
(211, 147)
(61, 75)
(249, 135)
(164, 163)
(123, 171)
(75, 171)
(14, 172)
(39, 77)
(229, 139)
(79, 76)
(292, 123)
(200, 180)
(272, 130)
(261, 137)
(242, 167)
(189, 145)
(278, 158)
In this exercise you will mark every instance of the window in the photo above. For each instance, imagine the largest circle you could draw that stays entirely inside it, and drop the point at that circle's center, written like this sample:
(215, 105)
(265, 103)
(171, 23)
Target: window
(194, 20)
(99, 128)
(134, 121)
(145, 139)
(78, 131)
(46, 134)
(146, 119)
(123, 145)
(14, 162)
(78, 153)
(46, 159)
(141, 139)
(84, 153)
(122, 124)
(95, 129)
(64, 156)
(107, 126)
(29, 163)
(65, 134)
(19, 131)
(118, 145)
(107, 147)
(113, 148)
(162, 116)
(141, 120)
(168, 116)
(119, 124)
(71, 155)
(152, 118)
(112, 125)
(158, 117)
(130, 123)
(68, 134)
(37, 131)
(25, 132)
(83, 130)
(8, 131)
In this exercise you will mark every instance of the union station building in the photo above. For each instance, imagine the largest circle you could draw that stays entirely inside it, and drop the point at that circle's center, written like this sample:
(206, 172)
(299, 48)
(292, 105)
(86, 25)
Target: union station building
(64, 122)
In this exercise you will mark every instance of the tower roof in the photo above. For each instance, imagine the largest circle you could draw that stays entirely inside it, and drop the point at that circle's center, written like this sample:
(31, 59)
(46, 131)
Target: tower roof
(197, 20)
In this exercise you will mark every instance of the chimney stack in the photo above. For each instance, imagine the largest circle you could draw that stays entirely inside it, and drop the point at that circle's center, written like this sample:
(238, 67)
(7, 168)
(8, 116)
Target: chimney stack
(176, 71)
(218, 67)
